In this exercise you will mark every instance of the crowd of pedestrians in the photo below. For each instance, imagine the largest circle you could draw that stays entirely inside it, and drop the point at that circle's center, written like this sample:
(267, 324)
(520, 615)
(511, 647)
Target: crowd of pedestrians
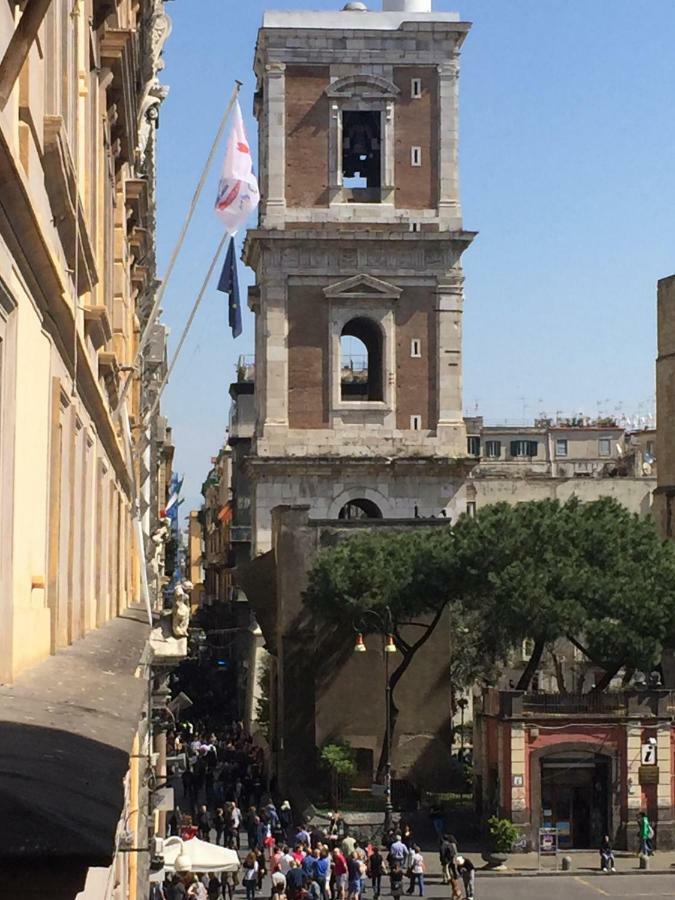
(226, 800)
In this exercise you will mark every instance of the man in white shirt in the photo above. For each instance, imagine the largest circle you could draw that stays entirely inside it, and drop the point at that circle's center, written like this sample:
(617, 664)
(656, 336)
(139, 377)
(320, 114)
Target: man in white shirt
(285, 861)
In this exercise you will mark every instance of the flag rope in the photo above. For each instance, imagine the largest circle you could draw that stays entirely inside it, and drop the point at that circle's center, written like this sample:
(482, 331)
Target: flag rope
(148, 416)
(145, 336)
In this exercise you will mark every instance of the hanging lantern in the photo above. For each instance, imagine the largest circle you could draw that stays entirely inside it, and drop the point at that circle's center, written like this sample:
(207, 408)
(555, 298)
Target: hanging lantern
(390, 644)
(359, 646)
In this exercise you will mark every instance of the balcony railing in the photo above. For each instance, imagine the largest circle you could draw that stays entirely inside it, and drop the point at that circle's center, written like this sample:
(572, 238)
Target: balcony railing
(575, 704)
(613, 704)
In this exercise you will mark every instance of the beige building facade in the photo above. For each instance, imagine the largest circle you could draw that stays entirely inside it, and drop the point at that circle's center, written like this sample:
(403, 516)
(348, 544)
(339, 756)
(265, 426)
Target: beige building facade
(79, 93)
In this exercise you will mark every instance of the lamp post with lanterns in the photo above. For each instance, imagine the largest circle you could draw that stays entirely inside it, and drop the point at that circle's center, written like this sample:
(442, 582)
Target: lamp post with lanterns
(385, 626)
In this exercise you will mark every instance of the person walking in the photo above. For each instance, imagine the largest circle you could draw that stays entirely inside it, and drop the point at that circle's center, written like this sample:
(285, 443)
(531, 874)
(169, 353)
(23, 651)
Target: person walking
(229, 882)
(396, 881)
(204, 824)
(250, 875)
(278, 885)
(286, 817)
(376, 866)
(233, 822)
(467, 872)
(340, 872)
(286, 860)
(348, 845)
(295, 880)
(447, 853)
(646, 834)
(214, 889)
(398, 852)
(219, 824)
(322, 870)
(416, 871)
(437, 820)
(354, 873)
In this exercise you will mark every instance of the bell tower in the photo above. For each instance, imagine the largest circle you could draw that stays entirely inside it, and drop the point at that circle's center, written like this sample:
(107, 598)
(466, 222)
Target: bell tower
(359, 286)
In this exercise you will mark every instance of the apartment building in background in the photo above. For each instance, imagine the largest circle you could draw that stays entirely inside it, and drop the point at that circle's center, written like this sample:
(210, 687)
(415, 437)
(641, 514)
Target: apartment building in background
(79, 97)
(559, 458)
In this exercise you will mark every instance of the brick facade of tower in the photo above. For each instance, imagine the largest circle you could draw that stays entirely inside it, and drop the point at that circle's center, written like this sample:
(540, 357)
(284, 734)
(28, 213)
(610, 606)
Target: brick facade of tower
(360, 237)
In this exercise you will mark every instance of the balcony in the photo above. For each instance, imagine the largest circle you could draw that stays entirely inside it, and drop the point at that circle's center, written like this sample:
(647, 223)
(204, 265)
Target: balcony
(612, 704)
(246, 369)
(240, 534)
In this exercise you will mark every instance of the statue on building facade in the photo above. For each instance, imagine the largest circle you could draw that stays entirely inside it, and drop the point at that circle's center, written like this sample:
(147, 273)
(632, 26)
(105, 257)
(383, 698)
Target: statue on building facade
(180, 614)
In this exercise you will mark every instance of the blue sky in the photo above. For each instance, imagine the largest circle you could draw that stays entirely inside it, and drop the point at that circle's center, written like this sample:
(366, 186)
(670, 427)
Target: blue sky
(567, 136)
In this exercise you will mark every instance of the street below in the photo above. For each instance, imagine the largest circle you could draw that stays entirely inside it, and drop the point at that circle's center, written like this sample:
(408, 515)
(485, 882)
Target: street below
(566, 887)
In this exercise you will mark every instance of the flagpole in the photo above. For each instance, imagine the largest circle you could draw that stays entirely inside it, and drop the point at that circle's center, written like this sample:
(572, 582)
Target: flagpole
(145, 336)
(148, 416)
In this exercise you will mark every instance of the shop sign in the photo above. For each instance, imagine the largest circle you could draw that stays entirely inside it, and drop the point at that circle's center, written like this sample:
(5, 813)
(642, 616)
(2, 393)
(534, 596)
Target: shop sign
(163, 799)
(648, 774)
(548, 841)
(648, 755)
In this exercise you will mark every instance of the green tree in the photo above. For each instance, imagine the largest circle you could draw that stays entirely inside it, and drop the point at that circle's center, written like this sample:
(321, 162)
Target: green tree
(627, 576)
(340, 761)
(593, 573)
(590, 572)
(526, 580)
(415, 577)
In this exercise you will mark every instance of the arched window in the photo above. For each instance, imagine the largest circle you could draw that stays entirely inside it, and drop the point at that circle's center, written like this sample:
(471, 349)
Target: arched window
(361, 361)
(360, 509)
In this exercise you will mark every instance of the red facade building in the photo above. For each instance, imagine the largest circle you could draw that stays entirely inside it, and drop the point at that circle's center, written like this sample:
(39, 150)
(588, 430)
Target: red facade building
(585, 763)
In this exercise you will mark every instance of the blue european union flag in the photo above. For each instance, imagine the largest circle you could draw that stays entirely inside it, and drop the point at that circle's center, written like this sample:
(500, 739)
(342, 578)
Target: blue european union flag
(228, 283)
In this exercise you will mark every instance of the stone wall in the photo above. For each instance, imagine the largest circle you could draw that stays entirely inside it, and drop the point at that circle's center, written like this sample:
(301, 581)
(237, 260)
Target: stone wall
(325, 692)
(665, 407)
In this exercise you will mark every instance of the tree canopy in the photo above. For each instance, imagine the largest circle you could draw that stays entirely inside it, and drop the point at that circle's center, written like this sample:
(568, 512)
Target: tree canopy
(591, 572)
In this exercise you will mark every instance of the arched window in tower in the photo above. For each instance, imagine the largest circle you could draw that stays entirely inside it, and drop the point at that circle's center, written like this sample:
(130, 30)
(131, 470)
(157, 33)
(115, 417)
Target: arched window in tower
(361, 360)
(360, 509)
(361, 156)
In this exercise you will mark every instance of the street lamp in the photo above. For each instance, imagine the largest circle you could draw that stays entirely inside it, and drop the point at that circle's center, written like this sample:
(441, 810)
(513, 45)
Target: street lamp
(462, 703)
(385, 624)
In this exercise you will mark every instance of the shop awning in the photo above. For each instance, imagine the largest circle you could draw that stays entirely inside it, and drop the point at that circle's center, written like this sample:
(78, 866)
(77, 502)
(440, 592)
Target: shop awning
(203, 857)
(67, 727)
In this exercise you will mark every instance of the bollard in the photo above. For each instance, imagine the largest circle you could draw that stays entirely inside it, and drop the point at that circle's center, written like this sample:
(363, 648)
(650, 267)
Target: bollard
(644, 861)
(566, 863)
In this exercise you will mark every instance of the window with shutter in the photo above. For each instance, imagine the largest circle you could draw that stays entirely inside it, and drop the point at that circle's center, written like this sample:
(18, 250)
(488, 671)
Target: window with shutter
(473, 446)
(524, 448)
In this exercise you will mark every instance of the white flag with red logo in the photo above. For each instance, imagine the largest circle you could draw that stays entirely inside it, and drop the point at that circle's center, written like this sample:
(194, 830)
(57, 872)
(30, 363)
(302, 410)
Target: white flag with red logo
(238, 193)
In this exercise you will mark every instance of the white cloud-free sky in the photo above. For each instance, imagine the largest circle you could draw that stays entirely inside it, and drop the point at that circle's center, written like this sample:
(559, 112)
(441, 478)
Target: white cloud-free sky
(567, 173)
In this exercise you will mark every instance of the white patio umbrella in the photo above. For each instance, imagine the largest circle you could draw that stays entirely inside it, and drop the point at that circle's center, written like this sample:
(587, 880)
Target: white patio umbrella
(198, 856)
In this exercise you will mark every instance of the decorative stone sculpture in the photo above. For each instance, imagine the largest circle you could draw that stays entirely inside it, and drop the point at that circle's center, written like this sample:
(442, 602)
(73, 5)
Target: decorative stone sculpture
(180, 616)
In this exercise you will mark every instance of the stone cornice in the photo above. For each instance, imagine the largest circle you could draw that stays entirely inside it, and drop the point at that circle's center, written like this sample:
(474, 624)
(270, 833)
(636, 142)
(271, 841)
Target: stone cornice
(340, 250)
(440, 465)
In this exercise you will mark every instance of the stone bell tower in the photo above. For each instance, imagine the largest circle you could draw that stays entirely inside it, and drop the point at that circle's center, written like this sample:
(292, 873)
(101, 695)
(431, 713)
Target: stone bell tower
(359, 285)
